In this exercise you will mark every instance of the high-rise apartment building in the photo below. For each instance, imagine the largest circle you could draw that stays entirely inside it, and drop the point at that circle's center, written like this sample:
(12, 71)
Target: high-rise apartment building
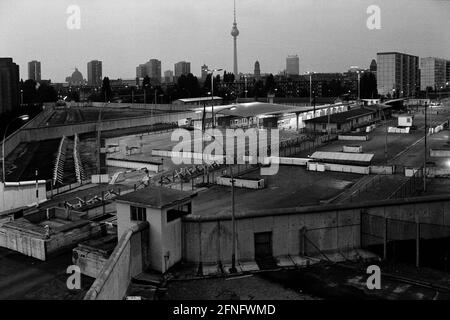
(168, 76)
(34, 70)
(141, 71)
(182, 68)
(94, 73)
(257, 71)
(153, 69)
(397, 74)
(9, 85)
(293, 65)
(433, 73)
(204, 72)
(447, 73)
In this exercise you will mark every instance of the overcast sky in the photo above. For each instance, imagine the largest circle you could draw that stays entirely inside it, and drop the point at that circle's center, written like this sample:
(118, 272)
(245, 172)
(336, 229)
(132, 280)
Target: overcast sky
(328, 35)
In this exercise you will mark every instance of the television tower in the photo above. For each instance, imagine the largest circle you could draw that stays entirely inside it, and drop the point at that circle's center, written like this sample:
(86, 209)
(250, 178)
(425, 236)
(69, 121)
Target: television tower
(235, 33)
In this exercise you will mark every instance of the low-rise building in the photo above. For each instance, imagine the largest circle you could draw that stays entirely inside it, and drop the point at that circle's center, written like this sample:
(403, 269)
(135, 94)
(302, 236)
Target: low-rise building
(341, 122)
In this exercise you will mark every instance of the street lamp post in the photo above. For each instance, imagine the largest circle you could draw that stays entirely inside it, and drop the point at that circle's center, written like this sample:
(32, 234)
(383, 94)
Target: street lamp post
(245, 81)
(212, 93)
(359, 85)
(24, 117)
(386, 136)
(310, 73)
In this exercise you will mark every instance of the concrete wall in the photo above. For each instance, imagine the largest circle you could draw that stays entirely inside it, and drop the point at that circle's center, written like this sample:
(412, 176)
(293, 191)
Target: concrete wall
(440, 153)
(13, 140)
(126, 261)
(100, 178)
(352, 149)
(90, 262)
(127, 164)
(54, 132)
(21, 194)
(210, 241)
(241, 183)
(399, 130)
(329, 227)
(314, 166)
(28, 244)
(62, 241)
(147, 106)
(35, 244)
(382, 169)
(353, 137)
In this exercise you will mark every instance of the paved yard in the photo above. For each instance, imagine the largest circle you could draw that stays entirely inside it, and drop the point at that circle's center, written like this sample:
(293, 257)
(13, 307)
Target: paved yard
(291, 187)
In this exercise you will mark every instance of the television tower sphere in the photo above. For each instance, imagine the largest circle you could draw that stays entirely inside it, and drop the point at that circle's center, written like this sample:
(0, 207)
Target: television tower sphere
(234, 31)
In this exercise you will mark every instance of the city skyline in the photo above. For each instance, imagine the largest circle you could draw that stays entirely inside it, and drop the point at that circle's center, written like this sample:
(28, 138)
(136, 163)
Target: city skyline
(62, 48)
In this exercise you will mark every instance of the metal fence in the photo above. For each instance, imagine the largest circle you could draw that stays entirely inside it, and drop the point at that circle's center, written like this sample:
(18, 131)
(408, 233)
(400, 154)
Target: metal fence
(413, 186)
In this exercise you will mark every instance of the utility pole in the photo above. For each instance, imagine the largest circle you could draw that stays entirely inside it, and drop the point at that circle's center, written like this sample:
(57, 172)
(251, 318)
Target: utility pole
(99, 123)
(314, 110)
(212, 98)
(233, 223)
(328, 126)
(425, 154)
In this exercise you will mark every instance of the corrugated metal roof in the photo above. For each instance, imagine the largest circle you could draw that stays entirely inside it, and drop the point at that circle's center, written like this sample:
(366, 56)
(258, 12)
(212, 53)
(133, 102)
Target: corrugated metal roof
(342, 156)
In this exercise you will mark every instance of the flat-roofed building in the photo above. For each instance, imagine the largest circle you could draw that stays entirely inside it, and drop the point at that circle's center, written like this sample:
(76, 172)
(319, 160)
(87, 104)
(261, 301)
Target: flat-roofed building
(341, 122)
(433, 73)
(34, 70)
(397, 74)
(293, 65)
(182, 68)
(141, 71)
(9, 85)
(94, 69)
(200, 101)
(168, 76)
(153, 70)
(163, 209)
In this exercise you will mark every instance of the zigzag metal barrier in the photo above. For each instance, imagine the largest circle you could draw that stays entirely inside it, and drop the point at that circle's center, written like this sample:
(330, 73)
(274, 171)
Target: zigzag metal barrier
(58, 171)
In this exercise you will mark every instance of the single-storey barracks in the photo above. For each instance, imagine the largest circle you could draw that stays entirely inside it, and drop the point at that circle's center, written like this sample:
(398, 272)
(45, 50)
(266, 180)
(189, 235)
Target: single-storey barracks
(268, 115)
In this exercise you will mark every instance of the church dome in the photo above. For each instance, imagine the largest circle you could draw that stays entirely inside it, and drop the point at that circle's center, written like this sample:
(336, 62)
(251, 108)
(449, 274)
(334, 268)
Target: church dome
(77, 76)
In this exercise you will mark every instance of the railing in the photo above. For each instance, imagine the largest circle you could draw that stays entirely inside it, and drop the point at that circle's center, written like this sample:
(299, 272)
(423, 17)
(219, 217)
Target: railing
(55, 190)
